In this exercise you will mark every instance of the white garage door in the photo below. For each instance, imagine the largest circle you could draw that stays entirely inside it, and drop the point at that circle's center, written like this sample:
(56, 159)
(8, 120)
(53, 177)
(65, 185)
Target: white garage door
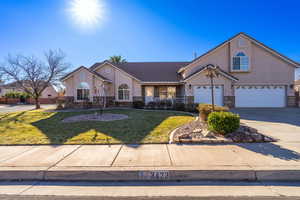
(202, 94)
(259, 96)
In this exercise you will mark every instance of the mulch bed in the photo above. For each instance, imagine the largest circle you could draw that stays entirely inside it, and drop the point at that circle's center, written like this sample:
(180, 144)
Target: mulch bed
(95, 117)
(197, 132)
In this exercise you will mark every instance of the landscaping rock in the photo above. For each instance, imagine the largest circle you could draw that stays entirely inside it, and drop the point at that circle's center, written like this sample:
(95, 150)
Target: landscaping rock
(252, 130)
(209, 134)
(257, 137)
(184, 136)
(197, 132)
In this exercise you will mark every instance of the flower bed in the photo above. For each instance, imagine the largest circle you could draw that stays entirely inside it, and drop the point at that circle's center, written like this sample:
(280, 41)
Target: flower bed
(197, 132)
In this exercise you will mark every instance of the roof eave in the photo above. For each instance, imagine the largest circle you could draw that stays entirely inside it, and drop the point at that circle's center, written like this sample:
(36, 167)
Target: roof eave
(219, 70)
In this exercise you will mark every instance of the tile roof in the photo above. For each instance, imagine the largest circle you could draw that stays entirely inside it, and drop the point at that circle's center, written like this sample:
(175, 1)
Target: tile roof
(151, 71)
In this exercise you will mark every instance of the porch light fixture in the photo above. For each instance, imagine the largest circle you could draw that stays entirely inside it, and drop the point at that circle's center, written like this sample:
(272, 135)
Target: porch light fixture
(190, 86)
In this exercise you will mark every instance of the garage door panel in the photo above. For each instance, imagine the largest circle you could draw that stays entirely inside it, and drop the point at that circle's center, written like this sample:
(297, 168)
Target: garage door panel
(251, 96)
(202, 94)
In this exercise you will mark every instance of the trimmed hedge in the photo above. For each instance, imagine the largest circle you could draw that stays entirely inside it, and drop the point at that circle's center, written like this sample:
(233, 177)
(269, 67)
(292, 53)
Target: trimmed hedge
(223, 122)
(17, 95)
(179, 106)
(138, 104)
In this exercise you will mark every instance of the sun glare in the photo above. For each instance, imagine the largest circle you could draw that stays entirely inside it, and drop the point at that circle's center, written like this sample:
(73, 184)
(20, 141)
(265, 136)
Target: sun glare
(86, 13)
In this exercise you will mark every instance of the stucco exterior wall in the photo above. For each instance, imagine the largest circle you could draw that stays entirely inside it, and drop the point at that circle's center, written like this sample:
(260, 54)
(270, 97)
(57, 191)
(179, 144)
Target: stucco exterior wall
(218, 57)
(118, 78)
(69, 84)
(265, 68)
(49, 91)
(83, 75)
(201, 79)
(107, 71)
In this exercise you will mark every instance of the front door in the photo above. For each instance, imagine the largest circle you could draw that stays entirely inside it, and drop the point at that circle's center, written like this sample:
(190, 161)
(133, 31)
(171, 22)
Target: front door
(149, 94)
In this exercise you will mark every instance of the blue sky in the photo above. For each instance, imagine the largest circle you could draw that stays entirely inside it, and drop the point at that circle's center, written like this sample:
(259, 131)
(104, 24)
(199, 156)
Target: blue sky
(149, 30)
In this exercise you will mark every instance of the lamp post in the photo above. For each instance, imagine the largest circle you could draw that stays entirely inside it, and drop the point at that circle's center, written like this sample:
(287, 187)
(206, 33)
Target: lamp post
(211, 73)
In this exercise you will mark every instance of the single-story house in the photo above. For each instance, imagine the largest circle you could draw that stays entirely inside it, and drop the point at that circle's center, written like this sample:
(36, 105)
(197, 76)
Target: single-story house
(48, 96)
(250, 74)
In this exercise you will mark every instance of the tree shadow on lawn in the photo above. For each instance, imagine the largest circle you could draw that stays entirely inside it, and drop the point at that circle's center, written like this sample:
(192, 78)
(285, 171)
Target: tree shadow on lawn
(272, 149)
(128, 131)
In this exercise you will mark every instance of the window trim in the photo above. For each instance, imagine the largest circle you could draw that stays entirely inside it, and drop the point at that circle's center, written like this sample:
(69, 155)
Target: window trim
(83, 99)
(83, 87)
(123, 90)
(244, 57)
(166, 92)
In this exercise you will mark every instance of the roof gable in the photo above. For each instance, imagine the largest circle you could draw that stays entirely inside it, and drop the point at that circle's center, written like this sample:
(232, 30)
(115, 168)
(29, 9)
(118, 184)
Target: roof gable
(84, 68)
(285, 58)
(219, 70)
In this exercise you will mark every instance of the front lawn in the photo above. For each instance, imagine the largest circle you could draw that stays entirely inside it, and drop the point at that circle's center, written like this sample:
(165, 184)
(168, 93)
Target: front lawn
(40, 127)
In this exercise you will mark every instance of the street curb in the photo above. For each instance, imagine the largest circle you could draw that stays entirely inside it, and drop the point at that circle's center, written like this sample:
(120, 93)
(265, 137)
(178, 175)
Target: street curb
(148, 174)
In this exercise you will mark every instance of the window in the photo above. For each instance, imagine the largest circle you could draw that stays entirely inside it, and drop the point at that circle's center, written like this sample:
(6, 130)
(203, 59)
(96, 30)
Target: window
(167, 92)
(240, 62)
(83, 91)
(123, 92)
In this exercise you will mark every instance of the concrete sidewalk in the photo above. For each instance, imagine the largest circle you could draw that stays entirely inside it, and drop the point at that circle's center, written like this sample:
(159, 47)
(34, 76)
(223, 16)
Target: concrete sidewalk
(150, 190)
(263, 161)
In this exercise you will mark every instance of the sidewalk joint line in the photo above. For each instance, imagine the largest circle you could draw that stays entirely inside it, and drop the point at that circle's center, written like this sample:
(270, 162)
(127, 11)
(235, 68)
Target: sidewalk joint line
(171, 161)
(116, 155)
(75, 149)
(31, 186)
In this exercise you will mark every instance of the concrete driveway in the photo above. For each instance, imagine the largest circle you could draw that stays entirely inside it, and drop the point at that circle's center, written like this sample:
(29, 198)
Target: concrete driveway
(15, 108)
(280, 123)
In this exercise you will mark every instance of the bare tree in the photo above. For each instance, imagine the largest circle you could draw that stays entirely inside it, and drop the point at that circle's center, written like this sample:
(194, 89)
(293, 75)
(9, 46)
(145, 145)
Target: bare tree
(33, 75)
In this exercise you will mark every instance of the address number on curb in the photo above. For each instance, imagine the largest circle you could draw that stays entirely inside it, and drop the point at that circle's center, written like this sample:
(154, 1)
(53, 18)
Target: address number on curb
(154, 175)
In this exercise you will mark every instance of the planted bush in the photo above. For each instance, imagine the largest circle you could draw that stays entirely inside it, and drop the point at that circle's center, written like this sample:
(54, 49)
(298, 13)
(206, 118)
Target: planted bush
(206, 109)
(151, 105)
(138, 104)
(191, 107)
(223, 122)
(16, 95)
(179, 106)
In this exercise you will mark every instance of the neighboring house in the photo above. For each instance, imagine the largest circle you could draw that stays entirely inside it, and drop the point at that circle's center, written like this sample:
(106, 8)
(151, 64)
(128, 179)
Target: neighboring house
(250, 75)
(47, 96)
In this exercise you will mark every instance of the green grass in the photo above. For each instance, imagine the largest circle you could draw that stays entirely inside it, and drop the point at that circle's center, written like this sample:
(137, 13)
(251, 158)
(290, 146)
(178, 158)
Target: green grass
(39, 127)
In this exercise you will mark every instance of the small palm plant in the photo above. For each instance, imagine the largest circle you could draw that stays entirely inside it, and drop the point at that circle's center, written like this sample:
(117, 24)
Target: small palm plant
(212, 73)
(117, 59)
